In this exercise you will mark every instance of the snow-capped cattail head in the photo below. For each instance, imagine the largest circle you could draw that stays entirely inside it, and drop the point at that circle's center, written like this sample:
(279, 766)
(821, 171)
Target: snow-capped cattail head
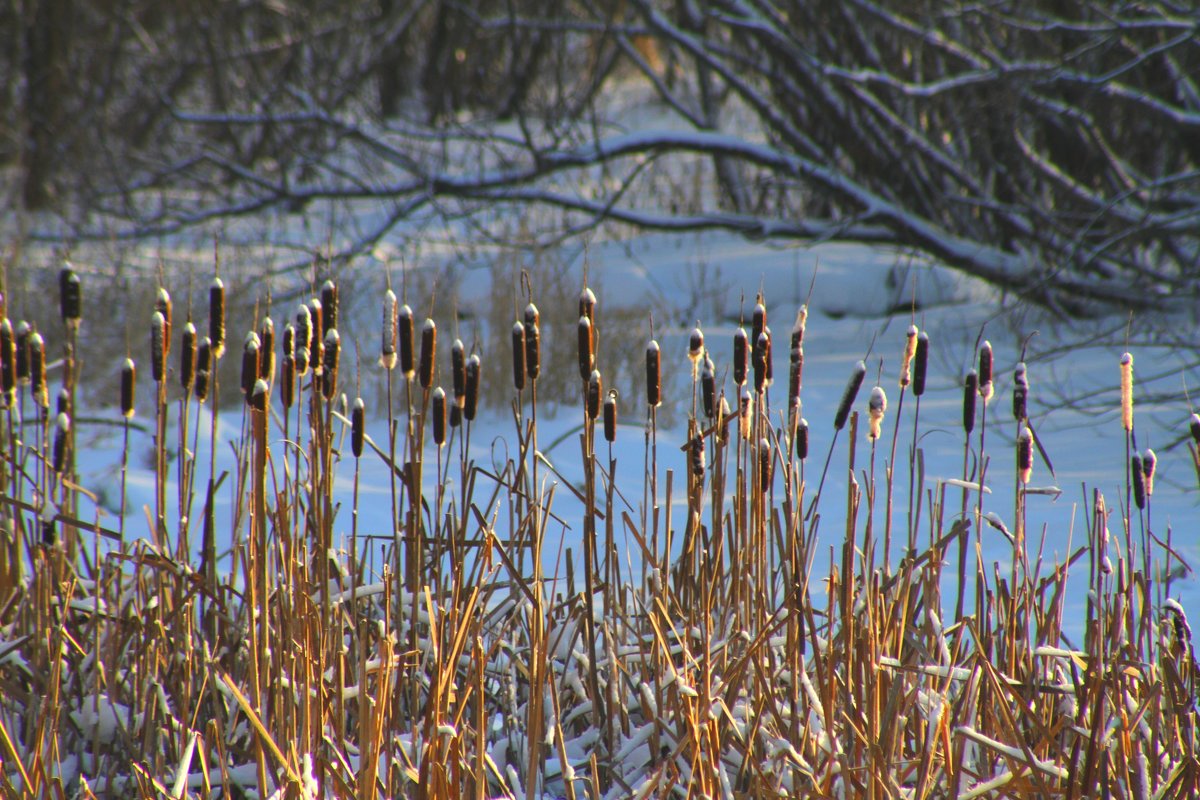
(708, 388)
(920, 363)
(587, 347)
(910, 350)
(387, 332)
(595, 388)
(70, 297)
(533, 342)
(1137, 477)
(329, 307)
(653, 375)
(458, 371)
(1024, 454)
(259, 394)
(216, 318)
(406, 332)
(695, 348)
(970, 389)
(986, 389)
(128, 382)
(518, 355)
(250, 351)
(1149, 466)
(266, 353)
(304, 339)
(357, 425)
(62, 428)
(746, 413)
(162, 304)
(316, 312)
(587, 304)
(876, 408)
(723, 413)
(802, 439)
(696, 456)
(204, 362)
(758, 320)
(158, 347)
(471, 401)
(741, 350)
(798, 327)
(37, 371)
(187, 357)
(438, 411)
(288, 345)
(428, 353)
(1127, 392)
(329, 367)
(849, 394)
(796, 357)
(610, 416)
(1020, 393)
(23, 333)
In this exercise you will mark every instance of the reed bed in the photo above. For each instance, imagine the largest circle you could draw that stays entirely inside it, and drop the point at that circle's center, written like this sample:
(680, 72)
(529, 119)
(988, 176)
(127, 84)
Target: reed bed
(301, 655)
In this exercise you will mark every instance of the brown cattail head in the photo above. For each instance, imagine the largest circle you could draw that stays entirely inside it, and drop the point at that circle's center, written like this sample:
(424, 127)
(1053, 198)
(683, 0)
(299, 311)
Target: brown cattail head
(456, 415)
(438, 411)
(708, 387)
(610, 416)
(1020, 393)
(204, 362)
(518, 355)
(533, 342)
(696, 456)
(653, 375)
(187, 357)
(587, 347)
(70, 297)
(695, 348)
(329, 307)
(764, 464)
(428, 353)
(258, 395)
(288, 345)
(162, 304)
(758, 320)
(920, 363)
(986, 389)
(250, 351)
(287, 381)
(1137, 477)
(1194, 425)
(796, 357)
(910, 350)
(357, 422)
(471, 401)
(62, 427)
(407, 335)
(128, 382)
(876, 408)
(746, 415)
(802, 439)
(770, 362)
(458, 371)
(63, 402)
(38, 386)
(724, 412)
(848, 395)
(761, 357)
(587, 304)
(216, 318)
(158, 347)
(304, 339)
(316, 355)
(970, 389)
(740, 356)
(1127, 392)
(595, 388)
(8, 363)
(387, 332)
(1024, 454)
(23, 332)
(266, 353)
(329, 372)
(798, 327)
(1149, 465)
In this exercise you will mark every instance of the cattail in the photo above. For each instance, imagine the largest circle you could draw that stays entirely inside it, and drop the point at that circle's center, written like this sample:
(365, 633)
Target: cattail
(250, 359)
(761, 356)
(387, 331)
(1195, 428)
(62, 427)
(696, 455)
(329, 372)
(458, 370)
(8, 363)
(38, 386)
(266, 353)
(471, 401)
(23, 332)
(304, 339)
(595, 388)
(1024, 454)
(439, 416)
(216, 318)
(610, 416)
(287, 388)
(62, 402)
(158, 347)
(653, 375)
(985, 372)
(764, 464)
(746, 417)
(723, 413)
(851, 392)
(533, 342)
(258, 395)
(456, 415)
(203, 368)
(329, 307)
(970, 388)
(910, 350)
(162, 304)
(920, 363)
(1020, 393)
(428, 351)
(695, 349)
(767, 360)
(740, 348)
(70, 297)
(518, 355)
(356, 427)
(876, 408)
(802, 439)
(758, 320)
(1137, 476)
(796, 357)
(407, 334)
(587, 345)
(316, 355)
(587, 304)
(1149, 464)
(708, 387)
(187, 357)
(128, 380)
(1127, 392)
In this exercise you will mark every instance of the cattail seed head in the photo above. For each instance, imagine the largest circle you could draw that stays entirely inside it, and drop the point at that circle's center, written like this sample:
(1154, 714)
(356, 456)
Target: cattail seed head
(329, 372)
(595, 388)
(802, 439)
(62, 404)
(985, 372)
(458, 371)
(876, 408)
(587, 345)
(1020, 393)
(38, 386)
(216, 318)
(970, 389)
(204, 362)
(920, 363)
(438, 410)
(1137, 477)
(387, 332)
(798, 327)
(287, 381)
(696, 456)
(764, 464)
(62, 427)
(1149, 465)
(695, 346)
(259, 393)
(723, 413)
(1194, 425)
(796, 357)
(746, 417)
(70, 297)
(768, 361)
(23, 332)
(316, 354)
(471, 401)
(187, 357)
(266, 353)
(518, 355)
(329, 306)
(740, 356)
(407, 335)
(456, 415)
(162, 304)
(708, 387)
(357, 422)
(1024, 455)
(587, 304)
(849, 394)
(158, 347)
(910, 350)
(610, 416)
(653, 375)
(758, 320)
(128, 381)
(761, 357)
(533, 342)
(8, 363)
(1127, 392)
(428, 352)
(304, 339)
(250, 350)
